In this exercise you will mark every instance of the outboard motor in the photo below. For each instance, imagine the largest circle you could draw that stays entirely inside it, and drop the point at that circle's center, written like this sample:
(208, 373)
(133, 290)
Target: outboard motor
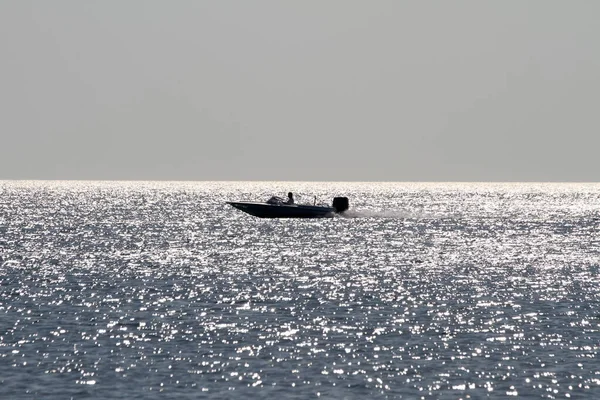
(340, 204)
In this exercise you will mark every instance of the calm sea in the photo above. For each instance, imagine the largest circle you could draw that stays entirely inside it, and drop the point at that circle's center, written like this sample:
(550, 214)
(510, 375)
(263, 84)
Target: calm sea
(161, 290)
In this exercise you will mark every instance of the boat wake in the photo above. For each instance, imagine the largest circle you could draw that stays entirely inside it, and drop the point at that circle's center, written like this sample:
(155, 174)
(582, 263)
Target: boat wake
(393, 214)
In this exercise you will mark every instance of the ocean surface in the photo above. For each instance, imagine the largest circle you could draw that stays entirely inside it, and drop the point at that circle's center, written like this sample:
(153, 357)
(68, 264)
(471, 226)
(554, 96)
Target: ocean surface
(141, 290)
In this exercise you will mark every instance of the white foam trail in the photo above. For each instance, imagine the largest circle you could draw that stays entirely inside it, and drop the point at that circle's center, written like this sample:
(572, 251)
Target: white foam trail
(393, 214)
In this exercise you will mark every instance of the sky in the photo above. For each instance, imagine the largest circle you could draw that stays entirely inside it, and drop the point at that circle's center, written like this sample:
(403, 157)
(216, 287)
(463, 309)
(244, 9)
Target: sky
(333, 90)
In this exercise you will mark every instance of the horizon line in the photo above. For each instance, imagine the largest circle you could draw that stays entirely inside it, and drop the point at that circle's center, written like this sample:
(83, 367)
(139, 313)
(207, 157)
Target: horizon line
(291, 181)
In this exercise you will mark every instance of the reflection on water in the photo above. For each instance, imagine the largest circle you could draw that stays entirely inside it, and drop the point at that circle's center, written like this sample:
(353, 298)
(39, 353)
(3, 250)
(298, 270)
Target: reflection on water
(424, 290)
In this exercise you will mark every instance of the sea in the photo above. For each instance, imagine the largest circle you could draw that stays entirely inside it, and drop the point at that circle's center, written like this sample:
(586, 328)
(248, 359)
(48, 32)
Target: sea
(161, 290)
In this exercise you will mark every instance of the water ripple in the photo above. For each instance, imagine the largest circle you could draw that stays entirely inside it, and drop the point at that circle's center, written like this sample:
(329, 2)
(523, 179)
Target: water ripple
(426, 290)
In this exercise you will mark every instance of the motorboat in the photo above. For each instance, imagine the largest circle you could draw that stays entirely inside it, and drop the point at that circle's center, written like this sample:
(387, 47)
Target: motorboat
(276, 207)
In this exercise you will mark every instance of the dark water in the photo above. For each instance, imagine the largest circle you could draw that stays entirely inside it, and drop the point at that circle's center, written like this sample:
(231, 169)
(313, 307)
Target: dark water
(160, 290)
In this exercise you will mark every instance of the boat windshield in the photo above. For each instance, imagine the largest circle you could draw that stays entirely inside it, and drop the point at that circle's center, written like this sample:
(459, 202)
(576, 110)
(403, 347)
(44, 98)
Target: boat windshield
(275, 200)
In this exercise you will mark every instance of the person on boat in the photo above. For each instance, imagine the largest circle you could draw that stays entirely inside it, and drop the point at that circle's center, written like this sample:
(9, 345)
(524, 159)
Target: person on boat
(290, 199)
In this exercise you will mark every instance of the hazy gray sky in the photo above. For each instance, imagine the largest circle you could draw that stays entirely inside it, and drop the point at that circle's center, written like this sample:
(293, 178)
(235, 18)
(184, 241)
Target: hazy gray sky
(300, 90)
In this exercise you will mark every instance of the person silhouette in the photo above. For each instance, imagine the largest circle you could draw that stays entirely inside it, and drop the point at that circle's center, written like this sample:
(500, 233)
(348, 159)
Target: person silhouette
(290, 199)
